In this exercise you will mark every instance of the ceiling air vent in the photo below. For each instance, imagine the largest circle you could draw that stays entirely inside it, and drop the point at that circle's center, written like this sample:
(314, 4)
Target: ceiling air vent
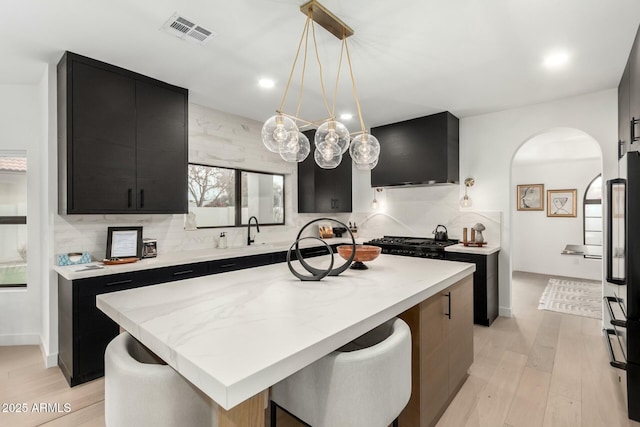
(185, 29)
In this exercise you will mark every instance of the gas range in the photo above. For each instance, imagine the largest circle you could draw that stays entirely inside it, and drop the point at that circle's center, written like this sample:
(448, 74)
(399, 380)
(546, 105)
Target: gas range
(412, 246)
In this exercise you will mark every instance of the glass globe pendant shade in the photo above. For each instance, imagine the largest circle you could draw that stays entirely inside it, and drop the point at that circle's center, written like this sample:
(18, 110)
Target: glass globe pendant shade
(465, 202)
(364, 149)
(333, 132)
(276, 131)
(297, 149)
(327, 155)
(367, 166)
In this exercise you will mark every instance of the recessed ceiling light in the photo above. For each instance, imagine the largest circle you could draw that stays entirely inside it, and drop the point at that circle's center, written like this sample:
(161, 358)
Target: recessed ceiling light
(266, 83)
(346, 116)
(556, 60)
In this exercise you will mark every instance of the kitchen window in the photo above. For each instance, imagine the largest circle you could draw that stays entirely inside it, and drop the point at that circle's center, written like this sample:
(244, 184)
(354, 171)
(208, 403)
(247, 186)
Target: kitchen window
(592, 207)
(226, 197)
(13, 220)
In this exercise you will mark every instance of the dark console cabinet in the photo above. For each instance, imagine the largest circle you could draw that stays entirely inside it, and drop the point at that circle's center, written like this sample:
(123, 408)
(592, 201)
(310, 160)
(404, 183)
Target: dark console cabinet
(485, 285)
(324, 190)
(122, 140)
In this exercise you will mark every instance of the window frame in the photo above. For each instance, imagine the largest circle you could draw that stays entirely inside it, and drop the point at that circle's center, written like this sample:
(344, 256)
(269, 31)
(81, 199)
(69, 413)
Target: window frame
(14, 220)
(238, 196)
(585, 202)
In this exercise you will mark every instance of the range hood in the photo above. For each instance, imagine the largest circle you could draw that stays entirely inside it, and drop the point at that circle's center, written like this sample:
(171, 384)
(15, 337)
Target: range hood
(418, 152)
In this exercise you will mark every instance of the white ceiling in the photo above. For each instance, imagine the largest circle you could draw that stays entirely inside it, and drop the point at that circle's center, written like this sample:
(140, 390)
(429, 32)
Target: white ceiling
(558, 145)
(410, 58)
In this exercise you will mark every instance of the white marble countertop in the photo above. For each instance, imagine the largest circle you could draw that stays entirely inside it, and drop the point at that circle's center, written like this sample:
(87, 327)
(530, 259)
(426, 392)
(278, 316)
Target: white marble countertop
(485, 250)
(95, 269)
(235, 334)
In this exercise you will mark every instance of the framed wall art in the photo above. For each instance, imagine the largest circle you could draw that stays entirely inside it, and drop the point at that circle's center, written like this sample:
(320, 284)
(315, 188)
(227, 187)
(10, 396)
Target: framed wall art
(530, 197)
(562, 203)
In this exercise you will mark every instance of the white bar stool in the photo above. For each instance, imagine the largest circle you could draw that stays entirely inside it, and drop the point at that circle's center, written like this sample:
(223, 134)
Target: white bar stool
(365, 383)
(141, 391)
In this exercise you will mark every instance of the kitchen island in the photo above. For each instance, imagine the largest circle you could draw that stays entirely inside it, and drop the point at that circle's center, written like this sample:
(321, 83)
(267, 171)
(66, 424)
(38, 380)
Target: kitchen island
(235, 334)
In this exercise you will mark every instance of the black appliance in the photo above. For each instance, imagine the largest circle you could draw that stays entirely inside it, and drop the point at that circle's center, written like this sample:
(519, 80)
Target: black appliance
(423, 247)
(623, 269)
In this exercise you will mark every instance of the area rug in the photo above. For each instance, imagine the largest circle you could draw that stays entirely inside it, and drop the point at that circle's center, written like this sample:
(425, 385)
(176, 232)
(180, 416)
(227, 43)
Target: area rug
(578, 298)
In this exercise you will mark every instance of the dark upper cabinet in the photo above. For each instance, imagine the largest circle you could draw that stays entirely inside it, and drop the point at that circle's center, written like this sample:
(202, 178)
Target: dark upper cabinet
(324, 190)
(629, 100)
(122, 140)
(418, 151)
(624, 114)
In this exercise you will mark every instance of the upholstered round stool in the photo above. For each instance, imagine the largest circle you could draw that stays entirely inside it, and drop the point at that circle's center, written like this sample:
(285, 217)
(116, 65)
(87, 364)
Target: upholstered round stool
(365, 383)
(140, 391)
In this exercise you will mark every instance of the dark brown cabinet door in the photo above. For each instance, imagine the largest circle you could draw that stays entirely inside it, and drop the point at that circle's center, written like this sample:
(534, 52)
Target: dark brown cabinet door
(634, 93)
(161, 149)
(102, 152)
(624, 116)
(122, 140)
(324, 190)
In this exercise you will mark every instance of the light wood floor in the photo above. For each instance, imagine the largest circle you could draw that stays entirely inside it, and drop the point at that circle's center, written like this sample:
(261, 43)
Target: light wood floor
(537, 368)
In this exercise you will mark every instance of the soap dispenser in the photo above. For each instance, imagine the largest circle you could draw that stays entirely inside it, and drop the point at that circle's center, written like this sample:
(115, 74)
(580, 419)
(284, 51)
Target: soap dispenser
(222, 241)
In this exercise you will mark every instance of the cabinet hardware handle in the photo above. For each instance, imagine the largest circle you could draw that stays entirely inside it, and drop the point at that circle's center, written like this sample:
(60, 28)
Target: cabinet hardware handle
(634, 138)
(614, 320)
(129, 193)
(612, 357)
(142, 198)
(228, 265)
(320, 252)
(178, 273)
(120, 282)
(448, 295)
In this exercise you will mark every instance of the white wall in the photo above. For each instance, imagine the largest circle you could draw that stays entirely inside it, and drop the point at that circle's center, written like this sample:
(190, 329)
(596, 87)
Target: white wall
(21, 129)
(488, 144)
(538, 239)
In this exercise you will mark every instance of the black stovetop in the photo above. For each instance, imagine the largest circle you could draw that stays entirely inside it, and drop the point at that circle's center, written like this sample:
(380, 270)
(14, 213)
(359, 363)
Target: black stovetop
(412, 246)
(423, 242)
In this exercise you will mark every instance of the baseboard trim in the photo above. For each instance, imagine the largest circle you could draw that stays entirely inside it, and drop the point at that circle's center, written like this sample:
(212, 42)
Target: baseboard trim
(19, 339)
(50, 360)
(504, 311)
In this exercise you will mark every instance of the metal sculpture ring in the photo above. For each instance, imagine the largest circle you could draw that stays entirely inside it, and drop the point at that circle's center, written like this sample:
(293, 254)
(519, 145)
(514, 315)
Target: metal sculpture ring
(316, 271)
(319, 274)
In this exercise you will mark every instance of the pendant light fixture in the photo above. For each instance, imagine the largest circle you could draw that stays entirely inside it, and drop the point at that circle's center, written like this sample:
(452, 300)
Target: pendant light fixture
(281, 132)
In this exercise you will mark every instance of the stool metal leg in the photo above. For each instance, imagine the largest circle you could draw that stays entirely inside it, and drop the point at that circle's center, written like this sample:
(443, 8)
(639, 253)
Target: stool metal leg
(395, 423)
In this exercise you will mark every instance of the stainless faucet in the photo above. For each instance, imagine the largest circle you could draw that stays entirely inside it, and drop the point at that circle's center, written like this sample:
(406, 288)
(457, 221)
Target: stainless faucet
(249, 239)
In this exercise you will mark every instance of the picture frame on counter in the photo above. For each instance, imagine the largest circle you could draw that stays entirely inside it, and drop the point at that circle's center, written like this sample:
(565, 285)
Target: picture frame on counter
(530, 197)
(124, 242)
(562, 203)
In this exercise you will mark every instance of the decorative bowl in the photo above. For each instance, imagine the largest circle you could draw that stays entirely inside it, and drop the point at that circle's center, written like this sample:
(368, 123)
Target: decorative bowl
(363, 253)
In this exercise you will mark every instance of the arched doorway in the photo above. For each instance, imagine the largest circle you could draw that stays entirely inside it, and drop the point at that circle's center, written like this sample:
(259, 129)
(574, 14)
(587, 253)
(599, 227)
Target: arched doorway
(554, 169)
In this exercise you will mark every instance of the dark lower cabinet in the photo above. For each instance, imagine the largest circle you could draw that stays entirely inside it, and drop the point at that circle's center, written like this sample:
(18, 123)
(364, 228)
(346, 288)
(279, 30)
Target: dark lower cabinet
(84, 330)
(485, 285)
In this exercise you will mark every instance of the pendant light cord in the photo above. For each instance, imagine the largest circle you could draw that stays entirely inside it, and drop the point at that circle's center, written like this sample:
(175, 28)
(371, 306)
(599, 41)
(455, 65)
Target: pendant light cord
(353, 85)
(315, 45)
(344, 48)
(295, 61)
